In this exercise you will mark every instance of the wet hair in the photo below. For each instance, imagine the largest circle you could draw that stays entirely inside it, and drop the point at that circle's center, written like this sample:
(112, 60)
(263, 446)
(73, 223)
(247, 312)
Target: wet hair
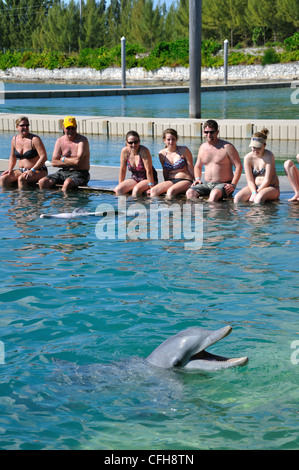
(172, 132)
(133, 134)
(263, 134)
(211, 123)
(20, 119)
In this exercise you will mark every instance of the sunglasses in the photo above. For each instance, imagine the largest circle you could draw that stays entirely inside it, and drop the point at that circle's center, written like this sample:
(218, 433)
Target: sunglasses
(133, 142)
(23, 125)
(209, 132)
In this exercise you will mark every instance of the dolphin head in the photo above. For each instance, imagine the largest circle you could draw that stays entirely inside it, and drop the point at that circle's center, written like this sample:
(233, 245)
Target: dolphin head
(187, 350)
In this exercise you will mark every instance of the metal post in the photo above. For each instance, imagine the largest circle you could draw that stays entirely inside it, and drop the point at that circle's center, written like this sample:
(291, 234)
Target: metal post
(195, 9)
(123, 62)
(225, 60)
(80, 31)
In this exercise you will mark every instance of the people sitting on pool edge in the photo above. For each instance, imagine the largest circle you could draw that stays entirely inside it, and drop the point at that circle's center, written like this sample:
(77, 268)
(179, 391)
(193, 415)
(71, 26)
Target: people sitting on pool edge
(138, 160)
(292, 174)
(177, 164)
(29, 149)
(260, 172)
(219, 157)
(71, 153)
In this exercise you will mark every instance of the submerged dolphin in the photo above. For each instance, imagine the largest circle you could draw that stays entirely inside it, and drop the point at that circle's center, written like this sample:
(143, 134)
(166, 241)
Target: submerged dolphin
(187, 350)
(77, 213)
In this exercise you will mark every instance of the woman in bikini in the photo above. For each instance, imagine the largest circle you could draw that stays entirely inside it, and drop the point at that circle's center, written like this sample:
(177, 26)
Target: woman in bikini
(137, 159)
(31, 153)
(177, 164)
(292, 173)
(262, 180)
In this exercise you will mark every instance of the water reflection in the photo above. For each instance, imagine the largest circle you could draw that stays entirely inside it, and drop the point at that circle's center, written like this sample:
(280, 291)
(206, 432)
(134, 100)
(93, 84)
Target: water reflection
(39, 237)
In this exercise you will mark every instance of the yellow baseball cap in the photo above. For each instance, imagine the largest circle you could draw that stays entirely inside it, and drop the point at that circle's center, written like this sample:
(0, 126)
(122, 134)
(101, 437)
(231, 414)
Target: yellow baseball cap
(69, 121)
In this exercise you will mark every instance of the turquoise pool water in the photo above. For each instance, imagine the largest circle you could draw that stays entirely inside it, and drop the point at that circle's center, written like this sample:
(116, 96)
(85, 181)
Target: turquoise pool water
(276, 103)
(79, 315)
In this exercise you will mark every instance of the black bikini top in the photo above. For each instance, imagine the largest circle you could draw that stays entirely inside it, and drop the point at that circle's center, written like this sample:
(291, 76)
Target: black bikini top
(29, 154)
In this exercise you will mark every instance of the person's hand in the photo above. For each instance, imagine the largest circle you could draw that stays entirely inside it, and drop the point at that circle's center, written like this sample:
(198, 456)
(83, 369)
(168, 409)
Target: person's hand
(253, 196)
(229, 188)
(196, 182)
(28, 174)
(7, 172)
(67, 154)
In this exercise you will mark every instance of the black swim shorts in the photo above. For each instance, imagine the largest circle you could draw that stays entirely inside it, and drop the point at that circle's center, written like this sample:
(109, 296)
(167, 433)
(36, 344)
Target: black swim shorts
(79, 177)
(204, 189)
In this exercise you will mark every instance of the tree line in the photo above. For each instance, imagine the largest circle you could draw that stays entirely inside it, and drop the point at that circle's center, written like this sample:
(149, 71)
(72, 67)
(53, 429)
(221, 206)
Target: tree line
(55, 25)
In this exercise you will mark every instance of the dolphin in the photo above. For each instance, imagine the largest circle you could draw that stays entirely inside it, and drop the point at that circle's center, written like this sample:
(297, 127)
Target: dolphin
(78, 213)
(187, 350)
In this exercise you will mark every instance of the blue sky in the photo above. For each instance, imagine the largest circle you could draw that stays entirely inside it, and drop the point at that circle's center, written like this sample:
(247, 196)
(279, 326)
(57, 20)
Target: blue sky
(168, 2)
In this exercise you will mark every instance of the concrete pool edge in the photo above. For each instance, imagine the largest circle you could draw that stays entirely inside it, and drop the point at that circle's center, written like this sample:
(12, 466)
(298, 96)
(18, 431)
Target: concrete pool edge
(105, 178)
(280, 129)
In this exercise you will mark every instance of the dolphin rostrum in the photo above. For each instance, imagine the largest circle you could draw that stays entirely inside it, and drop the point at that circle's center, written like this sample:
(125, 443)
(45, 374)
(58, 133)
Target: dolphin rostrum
(187, 350)
(78, 213)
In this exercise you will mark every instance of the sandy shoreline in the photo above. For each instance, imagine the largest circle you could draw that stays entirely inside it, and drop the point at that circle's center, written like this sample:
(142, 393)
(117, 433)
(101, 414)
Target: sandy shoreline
(164, 75)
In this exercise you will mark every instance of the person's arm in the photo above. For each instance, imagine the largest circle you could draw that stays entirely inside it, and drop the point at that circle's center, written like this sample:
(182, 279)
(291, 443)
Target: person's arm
(123, 165)
(57, 154)
(67, 159)
(12, 159)
(189, 159)
(198, 169)
(236, 162)
(249, 176)
(270, 168)
(148, 165)
(42, 154)
(165, 170)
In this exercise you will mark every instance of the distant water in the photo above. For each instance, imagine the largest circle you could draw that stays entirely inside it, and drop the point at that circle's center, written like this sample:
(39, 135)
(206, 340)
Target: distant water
(269, 103)
(106, 151)
(79, 315)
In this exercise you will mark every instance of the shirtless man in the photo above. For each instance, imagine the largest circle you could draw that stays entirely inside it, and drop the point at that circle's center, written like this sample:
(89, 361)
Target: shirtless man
(219, 157)
(71, 153)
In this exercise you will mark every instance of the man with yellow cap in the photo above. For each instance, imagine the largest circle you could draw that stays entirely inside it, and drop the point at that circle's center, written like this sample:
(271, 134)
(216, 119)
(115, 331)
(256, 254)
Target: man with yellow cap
(71, 154)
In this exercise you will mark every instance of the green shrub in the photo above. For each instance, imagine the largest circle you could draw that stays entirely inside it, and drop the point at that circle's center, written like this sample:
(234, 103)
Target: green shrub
(270, 57)
(292, 56)
(170, 54)
(210, 47)
(292, 43)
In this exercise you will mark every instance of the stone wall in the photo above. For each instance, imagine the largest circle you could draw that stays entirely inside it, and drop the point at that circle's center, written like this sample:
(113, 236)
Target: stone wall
(237, 73)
